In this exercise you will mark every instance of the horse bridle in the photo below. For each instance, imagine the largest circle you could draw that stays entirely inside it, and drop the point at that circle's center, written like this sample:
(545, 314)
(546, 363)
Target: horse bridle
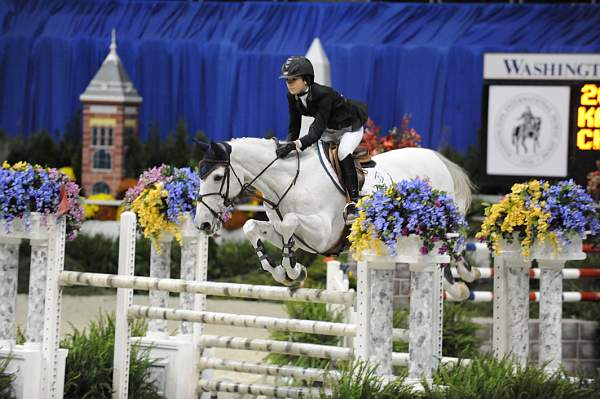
(230, 202)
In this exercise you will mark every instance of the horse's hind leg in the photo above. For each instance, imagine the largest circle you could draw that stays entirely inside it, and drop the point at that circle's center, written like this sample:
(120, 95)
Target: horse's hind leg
(257, 232)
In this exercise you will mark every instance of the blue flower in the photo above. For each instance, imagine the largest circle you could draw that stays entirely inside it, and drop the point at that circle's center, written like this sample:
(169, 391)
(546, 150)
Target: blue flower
(413, 207)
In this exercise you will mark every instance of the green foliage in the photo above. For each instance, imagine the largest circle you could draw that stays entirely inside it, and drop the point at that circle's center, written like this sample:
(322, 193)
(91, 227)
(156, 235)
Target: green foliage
(64, 149)
(6, 379)
(488, 377)
(233, 258)
(96, 254)
(360, 381)
(484, 377)
(134, 162)
(459, 331)
(89, 366)
(41, 147)
(400, 320)
(305, 311)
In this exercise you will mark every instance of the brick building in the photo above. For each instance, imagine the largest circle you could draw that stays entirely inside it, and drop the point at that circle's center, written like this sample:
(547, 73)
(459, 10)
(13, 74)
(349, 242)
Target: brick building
(110, 113)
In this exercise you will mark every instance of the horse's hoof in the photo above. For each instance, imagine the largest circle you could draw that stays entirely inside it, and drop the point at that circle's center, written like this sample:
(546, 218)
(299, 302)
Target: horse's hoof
(298, 281)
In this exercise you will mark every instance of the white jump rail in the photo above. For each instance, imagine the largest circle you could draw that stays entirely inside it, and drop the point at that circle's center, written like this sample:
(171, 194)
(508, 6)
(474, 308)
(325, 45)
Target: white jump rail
(373, 333)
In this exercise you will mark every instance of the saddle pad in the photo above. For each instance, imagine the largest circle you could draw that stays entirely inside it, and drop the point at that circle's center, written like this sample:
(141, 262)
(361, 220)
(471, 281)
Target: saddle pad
(375, 176)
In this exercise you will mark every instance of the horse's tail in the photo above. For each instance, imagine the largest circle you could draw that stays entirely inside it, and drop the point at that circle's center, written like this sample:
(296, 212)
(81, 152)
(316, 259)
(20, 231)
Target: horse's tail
(462, 183)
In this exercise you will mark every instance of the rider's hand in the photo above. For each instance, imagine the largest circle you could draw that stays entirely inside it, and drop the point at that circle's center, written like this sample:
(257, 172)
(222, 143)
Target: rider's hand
(284, 149)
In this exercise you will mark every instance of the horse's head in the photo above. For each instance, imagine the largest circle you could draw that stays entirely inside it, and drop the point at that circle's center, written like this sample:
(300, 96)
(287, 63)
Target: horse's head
(219, 185)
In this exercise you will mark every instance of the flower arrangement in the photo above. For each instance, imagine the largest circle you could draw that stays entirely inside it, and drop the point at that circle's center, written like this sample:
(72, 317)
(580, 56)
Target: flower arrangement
(26, 188)
(396, 137)
(410, 207)
(593, 185)
(161, 198)
(538, 211)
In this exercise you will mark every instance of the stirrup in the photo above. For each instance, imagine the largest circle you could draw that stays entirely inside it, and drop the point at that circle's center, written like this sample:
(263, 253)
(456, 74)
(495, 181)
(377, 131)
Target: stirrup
(350, 212)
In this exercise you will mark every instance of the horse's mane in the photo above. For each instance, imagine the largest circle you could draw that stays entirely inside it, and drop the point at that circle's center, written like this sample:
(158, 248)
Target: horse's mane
(250, 140)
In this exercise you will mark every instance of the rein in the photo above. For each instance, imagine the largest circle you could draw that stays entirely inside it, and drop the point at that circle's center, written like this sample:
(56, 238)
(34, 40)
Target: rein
(229, 202)
(245, 189)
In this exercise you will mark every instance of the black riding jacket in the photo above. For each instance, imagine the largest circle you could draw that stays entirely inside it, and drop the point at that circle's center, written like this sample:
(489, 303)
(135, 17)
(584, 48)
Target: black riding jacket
(329, 108)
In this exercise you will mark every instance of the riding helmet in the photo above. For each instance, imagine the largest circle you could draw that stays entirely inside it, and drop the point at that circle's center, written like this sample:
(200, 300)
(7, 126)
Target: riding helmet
(297, 66)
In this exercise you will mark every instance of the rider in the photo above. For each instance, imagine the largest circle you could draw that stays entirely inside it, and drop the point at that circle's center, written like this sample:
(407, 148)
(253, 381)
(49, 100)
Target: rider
(334, 115)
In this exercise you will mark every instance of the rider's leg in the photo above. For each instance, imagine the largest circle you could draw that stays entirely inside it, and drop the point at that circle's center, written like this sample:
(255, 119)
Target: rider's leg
(348, 144)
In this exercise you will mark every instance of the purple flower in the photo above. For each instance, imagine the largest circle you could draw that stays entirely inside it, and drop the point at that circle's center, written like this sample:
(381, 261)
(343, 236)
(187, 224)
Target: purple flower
(413, 207)
(182, 186)
(43, 190)
(571, 209)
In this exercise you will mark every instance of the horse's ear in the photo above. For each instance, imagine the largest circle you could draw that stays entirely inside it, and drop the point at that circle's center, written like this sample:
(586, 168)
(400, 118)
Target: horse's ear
(221, 150)
(203, 146)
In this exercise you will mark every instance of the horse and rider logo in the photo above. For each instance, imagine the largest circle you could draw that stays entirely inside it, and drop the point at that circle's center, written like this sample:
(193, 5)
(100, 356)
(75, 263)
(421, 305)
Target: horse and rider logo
(526, 135)
(527, 129)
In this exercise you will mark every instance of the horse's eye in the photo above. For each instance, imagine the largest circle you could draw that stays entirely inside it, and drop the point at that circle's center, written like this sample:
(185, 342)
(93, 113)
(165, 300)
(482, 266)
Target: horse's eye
(218, 178)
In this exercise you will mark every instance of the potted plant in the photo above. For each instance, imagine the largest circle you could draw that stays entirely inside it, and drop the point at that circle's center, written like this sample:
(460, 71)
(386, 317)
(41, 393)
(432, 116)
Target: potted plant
(31, 194)
(161, 199)
(408, 218)
(536, 218)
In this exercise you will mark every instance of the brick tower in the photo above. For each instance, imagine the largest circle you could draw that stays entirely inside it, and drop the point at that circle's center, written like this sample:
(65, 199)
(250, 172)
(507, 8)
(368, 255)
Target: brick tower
(110, 113)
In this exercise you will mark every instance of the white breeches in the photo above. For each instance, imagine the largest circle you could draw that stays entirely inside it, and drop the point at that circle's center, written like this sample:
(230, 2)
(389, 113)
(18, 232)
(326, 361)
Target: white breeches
(349, 142)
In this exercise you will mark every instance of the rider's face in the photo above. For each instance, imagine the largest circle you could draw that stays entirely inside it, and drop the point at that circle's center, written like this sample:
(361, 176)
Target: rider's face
(295, 85)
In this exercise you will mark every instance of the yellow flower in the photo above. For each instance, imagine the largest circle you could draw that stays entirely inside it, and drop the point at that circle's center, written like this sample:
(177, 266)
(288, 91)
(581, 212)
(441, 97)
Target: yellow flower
(92, 209)
(519, 211)
(5, 165)
(21, 166)
(68, 171)
(148, 207)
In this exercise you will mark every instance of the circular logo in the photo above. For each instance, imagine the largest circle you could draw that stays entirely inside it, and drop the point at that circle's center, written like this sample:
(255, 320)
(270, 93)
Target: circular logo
(527, 129)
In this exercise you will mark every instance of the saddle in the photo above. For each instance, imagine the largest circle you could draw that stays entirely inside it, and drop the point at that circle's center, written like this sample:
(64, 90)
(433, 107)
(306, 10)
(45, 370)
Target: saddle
(361, 156)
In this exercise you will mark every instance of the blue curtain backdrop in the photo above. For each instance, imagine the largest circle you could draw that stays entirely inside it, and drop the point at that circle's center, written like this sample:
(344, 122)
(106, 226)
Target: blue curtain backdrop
(215, 64)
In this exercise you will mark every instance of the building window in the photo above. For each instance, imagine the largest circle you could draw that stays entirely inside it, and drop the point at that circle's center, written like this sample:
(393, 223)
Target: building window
(103, 136)
(102, 160)
(100, 188)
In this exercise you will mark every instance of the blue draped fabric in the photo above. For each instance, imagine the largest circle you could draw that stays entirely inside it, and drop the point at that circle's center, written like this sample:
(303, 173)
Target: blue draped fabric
(216, 64)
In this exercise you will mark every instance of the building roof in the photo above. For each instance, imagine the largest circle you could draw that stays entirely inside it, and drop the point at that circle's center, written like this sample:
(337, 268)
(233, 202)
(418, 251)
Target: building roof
(111, 83)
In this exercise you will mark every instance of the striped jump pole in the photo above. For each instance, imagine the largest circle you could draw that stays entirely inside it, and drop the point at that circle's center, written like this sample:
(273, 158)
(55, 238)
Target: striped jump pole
(567, 274)
(567, 296)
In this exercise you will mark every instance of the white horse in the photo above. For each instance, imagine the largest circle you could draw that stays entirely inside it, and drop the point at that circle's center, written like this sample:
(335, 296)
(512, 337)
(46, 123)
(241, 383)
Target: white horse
(304, 207)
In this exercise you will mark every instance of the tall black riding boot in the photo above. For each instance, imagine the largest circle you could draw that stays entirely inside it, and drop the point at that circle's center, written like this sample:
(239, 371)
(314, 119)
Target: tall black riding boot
(351, 183)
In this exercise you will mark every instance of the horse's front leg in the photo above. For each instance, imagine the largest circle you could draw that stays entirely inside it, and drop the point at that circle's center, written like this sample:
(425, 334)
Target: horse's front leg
(258, 232)
(294, 270)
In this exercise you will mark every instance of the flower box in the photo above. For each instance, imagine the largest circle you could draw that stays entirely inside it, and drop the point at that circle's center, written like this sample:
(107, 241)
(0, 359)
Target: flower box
(570, 249)
(32, 196)
(35, 226)
(546, 221)
(408, 250)
(408, 222)
(164, 201)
